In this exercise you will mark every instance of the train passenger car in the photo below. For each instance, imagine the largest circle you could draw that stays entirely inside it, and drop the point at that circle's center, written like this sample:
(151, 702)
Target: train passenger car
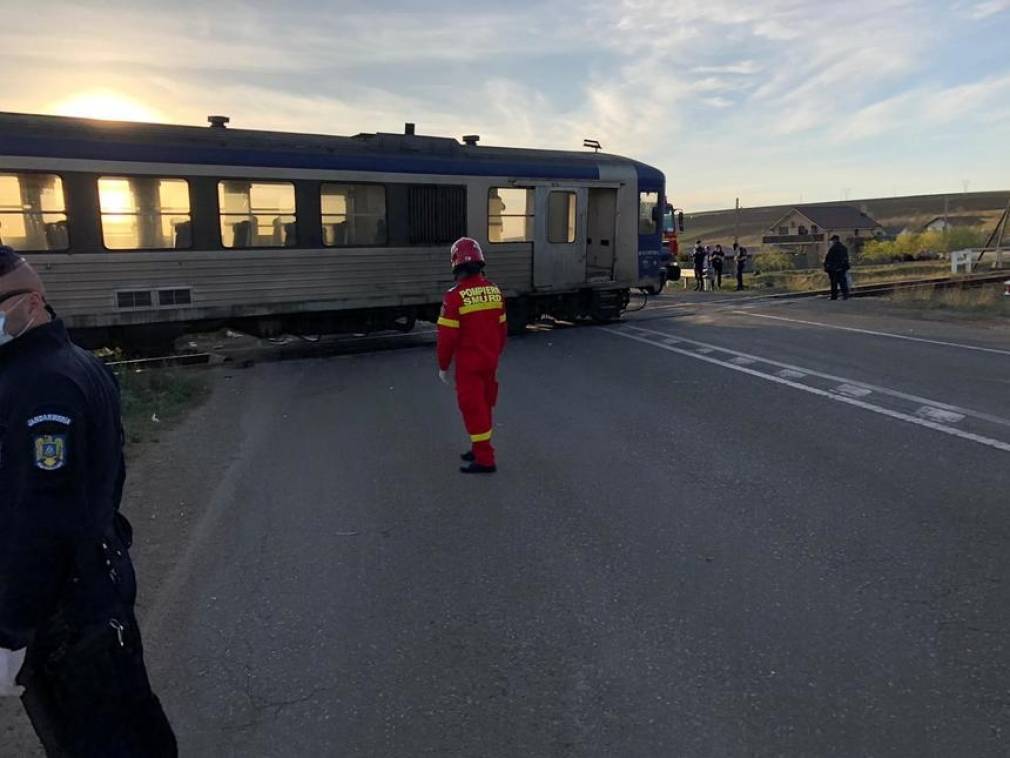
(142, 230)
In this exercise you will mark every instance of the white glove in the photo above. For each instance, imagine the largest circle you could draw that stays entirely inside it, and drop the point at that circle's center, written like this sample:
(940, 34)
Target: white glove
(442, 377)
(10, 665)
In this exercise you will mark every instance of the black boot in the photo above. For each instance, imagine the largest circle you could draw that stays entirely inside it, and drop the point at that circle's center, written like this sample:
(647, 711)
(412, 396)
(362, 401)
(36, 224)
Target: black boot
(476, 468)
(467, 456)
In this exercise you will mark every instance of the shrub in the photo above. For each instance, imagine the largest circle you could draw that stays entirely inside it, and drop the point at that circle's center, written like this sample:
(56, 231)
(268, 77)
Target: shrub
(906, 244)
(964, 237)
(774, 260)
(919, 247)
(879, 251)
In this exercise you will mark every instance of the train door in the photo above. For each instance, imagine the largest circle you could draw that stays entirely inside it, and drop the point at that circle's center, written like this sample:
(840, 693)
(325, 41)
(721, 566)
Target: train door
(601, 233)
(559, 250)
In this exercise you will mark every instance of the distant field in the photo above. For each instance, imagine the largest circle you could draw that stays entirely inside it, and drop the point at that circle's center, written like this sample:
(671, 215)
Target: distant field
(894, 213)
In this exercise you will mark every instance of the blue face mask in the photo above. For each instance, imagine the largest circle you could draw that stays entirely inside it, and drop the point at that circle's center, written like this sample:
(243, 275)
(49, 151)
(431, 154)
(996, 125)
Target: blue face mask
(4, 336)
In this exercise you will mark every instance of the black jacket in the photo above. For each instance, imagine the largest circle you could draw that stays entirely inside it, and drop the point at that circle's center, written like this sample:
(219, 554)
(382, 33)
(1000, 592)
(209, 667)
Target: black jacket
(61, 481)
(837, 258)
(699, 256)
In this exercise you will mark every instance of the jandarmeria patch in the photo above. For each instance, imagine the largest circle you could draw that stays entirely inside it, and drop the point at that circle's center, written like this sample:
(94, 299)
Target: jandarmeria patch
(50, 451)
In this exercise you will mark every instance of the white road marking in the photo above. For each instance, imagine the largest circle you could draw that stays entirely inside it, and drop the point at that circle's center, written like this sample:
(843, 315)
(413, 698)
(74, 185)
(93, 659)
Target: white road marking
(671, 341)
(802, 372)
(939, 415)
(705, 350)
(709, 303)
(997, 351)
(726, 303)
(742, 361)
(788, 373)
(852, 390)
(838, 398)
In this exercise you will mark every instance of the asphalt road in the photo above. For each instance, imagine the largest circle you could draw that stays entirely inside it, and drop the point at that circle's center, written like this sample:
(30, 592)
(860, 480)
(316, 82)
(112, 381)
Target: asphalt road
(714, 532)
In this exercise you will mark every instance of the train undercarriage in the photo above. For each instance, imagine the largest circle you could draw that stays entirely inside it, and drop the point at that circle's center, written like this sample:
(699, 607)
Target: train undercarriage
(599, 306)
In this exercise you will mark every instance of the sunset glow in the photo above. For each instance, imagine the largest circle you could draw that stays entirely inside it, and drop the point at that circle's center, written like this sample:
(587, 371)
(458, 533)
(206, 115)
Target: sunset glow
(105, 105)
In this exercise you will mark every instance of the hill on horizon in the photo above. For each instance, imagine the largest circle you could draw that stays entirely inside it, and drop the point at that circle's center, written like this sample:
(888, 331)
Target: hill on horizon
(893, 213)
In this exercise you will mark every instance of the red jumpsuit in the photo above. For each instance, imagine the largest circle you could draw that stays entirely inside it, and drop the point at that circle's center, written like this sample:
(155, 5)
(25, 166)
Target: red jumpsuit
(472, 329)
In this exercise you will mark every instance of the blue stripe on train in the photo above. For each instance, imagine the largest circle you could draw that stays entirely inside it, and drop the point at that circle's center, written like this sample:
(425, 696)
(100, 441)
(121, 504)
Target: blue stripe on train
(396, 163)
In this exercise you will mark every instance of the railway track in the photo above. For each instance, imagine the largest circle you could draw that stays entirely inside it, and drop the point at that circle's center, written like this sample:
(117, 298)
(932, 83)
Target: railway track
(881, 288)
(349, 345)
(950, 282)
(280, 350)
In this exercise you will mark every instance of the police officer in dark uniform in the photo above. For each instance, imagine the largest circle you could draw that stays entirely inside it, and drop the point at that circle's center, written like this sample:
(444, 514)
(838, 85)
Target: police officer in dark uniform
(741, 263)
(836, 266)
(68, 635)
(699, 255)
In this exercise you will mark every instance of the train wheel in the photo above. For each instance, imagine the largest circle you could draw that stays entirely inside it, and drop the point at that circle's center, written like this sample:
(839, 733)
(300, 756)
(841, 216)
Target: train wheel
(654, 290)
(607, 306)
(517, 311)
(405, 323)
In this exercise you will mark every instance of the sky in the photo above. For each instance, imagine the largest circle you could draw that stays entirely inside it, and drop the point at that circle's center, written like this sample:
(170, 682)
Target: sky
(771, 101)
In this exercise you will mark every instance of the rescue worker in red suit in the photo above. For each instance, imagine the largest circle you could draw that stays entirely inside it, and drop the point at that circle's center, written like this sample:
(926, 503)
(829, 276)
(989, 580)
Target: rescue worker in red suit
(471, 330)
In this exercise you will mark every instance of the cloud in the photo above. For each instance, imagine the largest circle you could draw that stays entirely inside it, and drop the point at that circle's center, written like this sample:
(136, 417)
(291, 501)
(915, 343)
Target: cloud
(979, 11)
(741, 67)
(645, 77)
(925, 108)
(238, 37)
(878, 118)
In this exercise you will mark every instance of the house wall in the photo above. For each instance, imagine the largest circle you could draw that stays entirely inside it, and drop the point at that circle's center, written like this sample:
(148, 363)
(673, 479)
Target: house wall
(793, 223)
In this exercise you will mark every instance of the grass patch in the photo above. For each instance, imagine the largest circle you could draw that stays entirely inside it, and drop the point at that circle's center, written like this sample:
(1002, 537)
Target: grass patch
(986, 301)
(152, 400)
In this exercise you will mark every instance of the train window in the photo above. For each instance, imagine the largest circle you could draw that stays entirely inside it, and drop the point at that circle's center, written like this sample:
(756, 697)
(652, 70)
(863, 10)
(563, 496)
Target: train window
(133, 299)
(436, 213)
(257, 214)
(647, 204)
(144, 213)
(175, 297)
(33, 212)
(353, 214)
(510, 214)
(561, 217)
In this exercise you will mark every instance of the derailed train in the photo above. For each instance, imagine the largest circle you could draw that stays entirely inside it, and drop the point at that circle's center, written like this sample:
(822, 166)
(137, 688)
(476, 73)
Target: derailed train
(142, 231)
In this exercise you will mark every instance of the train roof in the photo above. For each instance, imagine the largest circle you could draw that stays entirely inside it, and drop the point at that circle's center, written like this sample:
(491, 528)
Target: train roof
(76, 138)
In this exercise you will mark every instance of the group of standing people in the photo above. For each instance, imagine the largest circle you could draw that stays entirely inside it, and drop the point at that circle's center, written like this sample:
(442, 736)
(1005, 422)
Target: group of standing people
(709, 263)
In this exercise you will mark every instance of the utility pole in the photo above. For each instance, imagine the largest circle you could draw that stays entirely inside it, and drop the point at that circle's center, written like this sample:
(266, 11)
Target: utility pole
(736, 224)
(946, 223)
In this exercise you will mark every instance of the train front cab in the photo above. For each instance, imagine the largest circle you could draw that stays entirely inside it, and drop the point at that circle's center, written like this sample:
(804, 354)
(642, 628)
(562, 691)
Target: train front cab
(652, 257)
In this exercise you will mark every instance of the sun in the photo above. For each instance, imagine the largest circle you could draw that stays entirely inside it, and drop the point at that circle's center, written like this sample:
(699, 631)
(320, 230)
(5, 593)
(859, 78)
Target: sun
(107, 105)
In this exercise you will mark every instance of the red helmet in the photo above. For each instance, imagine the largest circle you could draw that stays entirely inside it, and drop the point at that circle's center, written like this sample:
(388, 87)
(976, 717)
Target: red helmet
(465, 250)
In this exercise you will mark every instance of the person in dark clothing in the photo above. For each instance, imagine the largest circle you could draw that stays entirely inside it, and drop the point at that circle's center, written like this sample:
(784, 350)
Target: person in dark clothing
(717, 258)
(836, 265)
(69, 640)
(741, 263)
(699, 256)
